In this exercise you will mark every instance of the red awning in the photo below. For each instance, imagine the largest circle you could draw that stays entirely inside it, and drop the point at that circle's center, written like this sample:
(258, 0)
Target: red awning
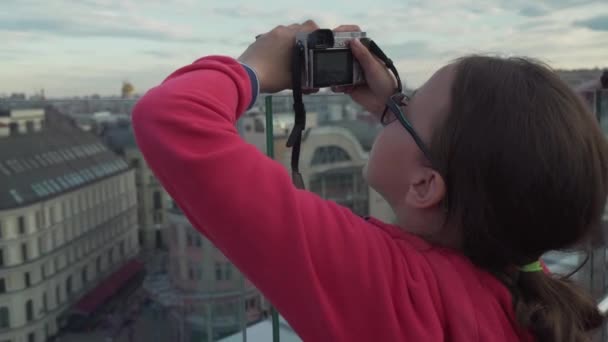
(107, 287)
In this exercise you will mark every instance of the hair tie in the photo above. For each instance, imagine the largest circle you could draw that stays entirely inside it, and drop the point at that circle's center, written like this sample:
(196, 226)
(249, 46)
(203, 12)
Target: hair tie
(535, 266)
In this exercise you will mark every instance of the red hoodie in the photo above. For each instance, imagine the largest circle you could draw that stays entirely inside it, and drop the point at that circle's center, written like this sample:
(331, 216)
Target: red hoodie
(333, 275)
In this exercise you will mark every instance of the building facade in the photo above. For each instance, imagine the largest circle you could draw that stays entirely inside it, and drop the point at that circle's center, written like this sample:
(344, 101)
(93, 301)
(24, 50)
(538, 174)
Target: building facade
(332, 156)
(203, 295)
(68, 220)
(152, 198)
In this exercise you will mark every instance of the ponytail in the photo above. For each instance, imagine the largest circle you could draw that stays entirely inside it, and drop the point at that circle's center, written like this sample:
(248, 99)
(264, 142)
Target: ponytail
(554, 309)
(525, 165)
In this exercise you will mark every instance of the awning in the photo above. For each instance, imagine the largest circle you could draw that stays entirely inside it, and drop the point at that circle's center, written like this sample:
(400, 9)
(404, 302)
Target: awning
(107, 287)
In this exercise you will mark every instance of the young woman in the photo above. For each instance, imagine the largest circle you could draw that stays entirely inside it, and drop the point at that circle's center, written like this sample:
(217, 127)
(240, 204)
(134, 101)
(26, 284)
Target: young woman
(491, 164)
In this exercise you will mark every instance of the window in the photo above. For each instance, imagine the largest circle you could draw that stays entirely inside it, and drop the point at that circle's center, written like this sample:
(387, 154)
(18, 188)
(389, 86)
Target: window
(158, 217)
(41, 247)
(58, 294)
(199, 241)
(259, 126)
(218, 271)
(24, 256)
(28, 280)
(121, 248)
(52, 214)
(31, 337)
(29, 126)
(55, 238)
(1, 233)
(4, 318)
(43, 271)
(83, 275)
(68, 285)
(45, 302)
(159, 240)
(110, 256)
(39, 219)
(98, 264)
(29, 310)
(329, 154)
(2, 285)
(14, 128)
(191, 272)
(227, 271)
(66, 233)
(64, 209)
(1, 257)
(157, 200)
(189, 239)
(21, 225)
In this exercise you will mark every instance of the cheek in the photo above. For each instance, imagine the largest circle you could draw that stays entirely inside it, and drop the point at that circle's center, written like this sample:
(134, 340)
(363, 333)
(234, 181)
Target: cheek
(386, 169)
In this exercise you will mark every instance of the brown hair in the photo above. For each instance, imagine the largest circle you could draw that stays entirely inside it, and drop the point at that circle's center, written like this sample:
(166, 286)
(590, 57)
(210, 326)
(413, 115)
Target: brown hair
(525, 165)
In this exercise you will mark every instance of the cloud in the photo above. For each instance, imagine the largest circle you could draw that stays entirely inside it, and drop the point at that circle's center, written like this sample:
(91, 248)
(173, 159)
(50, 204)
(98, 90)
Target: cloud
(599, 23)
(539, 8)
(532, 11)
(420, 35)
(92, 19)
(13, 54)
(66, 28)
(159, 53)
(246, 12)
(408, 50)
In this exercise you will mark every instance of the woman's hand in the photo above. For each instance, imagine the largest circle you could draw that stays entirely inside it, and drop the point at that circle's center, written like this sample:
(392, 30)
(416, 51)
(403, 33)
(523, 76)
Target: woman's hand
(270, 56)
(380, 83)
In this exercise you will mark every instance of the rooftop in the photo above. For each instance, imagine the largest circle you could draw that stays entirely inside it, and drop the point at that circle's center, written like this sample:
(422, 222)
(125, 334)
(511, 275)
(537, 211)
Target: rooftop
(118, 135)
(59, 158)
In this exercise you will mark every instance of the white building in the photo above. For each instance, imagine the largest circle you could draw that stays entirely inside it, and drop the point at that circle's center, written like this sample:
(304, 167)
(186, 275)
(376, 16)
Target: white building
(152, 198)
(331, 159)
(68, 221)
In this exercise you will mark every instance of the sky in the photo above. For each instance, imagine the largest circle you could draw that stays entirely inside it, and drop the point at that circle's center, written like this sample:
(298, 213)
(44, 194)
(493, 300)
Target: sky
(84, 47)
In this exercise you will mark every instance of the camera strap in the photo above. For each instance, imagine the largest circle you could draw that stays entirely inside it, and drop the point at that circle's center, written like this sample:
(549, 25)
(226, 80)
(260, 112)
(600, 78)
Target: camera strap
(295, 137)
(376, 51)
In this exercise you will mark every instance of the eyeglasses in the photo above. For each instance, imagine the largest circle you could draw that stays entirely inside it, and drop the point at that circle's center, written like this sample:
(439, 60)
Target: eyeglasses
(393, 111)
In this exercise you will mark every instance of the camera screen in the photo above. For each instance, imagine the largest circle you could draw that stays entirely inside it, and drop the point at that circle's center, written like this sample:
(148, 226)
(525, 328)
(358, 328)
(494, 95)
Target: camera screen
(332, 67)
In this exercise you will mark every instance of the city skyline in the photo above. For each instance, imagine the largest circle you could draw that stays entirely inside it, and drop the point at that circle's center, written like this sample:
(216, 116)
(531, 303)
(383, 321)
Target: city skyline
(76, 48)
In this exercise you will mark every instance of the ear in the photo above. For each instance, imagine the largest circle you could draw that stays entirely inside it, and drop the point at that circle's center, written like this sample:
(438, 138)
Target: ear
(426, 190)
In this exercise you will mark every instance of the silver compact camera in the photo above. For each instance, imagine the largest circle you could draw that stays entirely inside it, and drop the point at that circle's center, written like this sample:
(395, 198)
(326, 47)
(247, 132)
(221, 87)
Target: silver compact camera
(327, 59)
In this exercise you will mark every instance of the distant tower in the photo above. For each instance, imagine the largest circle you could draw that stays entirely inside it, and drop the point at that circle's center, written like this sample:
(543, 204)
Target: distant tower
(127, 90)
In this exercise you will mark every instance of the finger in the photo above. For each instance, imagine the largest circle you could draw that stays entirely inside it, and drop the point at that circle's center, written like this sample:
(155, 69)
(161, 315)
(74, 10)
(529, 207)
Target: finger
(294, 26)
(342, 89)
(309, 25)
(347, 28)
(365, 58)
(310, 91)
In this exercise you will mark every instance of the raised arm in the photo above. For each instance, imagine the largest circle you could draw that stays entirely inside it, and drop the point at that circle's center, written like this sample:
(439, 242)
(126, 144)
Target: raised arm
(301, 251)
